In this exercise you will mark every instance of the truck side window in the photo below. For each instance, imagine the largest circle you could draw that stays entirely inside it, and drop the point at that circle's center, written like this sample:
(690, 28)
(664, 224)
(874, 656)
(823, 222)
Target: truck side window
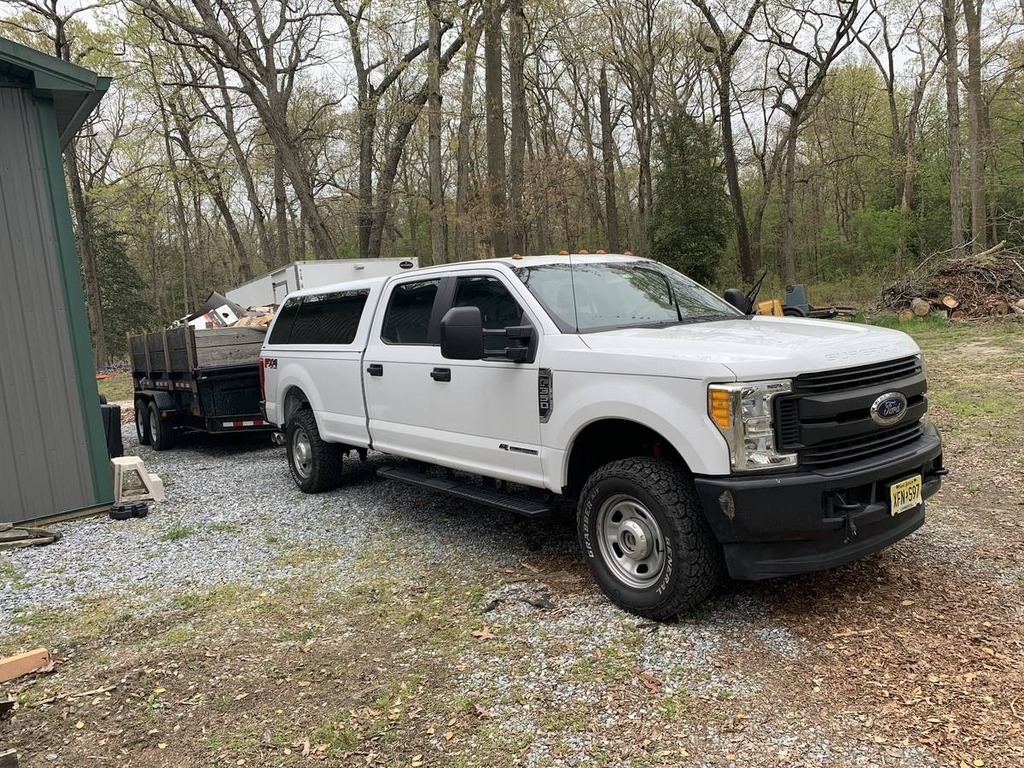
(329, 318)
(498, 309)
(285, 320)
(407, 319)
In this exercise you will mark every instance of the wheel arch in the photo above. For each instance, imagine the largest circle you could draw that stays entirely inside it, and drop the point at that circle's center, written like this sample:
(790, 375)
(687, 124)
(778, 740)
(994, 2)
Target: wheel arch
(604, 440)
(295, 399)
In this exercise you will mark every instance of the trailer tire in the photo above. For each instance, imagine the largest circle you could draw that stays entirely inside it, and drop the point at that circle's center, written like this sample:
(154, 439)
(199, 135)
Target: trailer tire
(644, 535)
(161, 431)
(315, 464)
(142, 422)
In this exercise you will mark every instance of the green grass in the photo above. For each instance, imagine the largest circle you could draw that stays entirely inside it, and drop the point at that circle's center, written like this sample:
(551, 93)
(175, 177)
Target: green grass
(177, 532)
(118, 388)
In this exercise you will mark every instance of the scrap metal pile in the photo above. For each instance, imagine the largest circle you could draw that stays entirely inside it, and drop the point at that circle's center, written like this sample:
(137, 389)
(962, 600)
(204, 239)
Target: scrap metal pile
(989, 284)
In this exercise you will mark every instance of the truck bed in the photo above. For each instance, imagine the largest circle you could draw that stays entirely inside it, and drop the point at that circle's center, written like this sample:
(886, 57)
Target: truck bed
(187, 350)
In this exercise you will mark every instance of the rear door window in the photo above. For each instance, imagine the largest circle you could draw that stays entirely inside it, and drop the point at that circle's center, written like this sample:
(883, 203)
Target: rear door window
(324, 318)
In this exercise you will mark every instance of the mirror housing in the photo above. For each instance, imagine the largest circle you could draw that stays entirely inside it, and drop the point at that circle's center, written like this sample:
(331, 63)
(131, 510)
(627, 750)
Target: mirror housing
(738, 299)
(462, 334)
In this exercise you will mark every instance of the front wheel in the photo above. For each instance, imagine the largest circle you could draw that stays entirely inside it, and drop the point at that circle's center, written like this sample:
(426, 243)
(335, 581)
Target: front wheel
(644, 535)
(315, 465)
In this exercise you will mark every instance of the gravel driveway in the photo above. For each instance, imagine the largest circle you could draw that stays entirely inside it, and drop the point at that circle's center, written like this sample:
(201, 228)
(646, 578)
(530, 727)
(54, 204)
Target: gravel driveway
(245, 623)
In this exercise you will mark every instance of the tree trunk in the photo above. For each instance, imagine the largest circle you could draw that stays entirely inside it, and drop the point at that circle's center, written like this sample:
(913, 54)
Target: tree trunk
(438, 241)
(87, 251)
(732, 172)
(495, 110)
(956, 210)
(976, 126)
(788, 245)
(281, 211)
(517, 133)
(465, 232)
(611, 208)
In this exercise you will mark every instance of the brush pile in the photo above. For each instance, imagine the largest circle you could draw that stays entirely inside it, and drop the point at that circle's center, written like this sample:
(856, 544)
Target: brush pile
(988, 284)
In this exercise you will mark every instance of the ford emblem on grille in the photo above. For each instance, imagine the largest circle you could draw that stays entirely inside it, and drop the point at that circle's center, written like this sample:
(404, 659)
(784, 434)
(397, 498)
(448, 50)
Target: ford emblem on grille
(888, 409)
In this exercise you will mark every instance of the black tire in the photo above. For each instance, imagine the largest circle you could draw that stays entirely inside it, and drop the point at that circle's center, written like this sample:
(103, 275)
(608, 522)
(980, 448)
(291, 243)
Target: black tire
(643, 533)
(142, 422)
(161, 431)
(315, 465)
(793, 312)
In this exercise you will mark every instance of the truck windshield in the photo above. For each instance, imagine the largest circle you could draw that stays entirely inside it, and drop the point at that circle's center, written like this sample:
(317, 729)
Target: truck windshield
(599, 296)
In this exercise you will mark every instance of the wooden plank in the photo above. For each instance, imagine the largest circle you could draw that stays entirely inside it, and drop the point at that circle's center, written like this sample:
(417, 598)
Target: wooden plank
(167, 351)
(236, 355)
(23, 664)
(190, 346)
(229, 337)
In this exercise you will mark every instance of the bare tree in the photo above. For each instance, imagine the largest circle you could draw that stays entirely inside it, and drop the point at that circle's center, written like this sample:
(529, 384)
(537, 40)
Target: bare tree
(611, 209)
(438, 230)
(809, 38)
(265, 48)
(518, 127)
(375, 202)
(495, 111)
(952, 56)
(56, 25)
(464, 231)
(977, 126)
(725, 48)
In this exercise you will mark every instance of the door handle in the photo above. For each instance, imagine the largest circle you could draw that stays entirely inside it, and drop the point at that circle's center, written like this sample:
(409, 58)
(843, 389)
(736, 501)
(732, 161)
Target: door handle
(441, 374)
(375, 369)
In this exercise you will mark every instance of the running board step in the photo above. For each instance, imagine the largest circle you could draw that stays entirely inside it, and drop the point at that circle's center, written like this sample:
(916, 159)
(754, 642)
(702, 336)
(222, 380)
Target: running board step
(529, 507)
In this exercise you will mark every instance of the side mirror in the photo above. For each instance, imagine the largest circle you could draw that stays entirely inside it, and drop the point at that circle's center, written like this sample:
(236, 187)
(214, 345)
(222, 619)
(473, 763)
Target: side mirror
(738, 299)
(462, 334)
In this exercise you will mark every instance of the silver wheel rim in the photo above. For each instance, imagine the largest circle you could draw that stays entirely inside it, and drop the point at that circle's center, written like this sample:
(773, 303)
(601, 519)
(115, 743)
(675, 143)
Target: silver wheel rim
(302, 453)
(631, 541)
(140, 421)
(154, 424)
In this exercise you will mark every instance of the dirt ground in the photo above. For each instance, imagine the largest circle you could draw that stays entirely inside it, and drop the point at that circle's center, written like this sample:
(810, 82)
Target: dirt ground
(912, 657)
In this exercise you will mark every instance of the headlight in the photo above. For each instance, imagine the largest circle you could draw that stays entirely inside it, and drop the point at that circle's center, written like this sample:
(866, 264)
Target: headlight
(743, 414)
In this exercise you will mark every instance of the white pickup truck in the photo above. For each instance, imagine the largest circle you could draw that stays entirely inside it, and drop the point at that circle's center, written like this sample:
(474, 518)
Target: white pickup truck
(697, 439)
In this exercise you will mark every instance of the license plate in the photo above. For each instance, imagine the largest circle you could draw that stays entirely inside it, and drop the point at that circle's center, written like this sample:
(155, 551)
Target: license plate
(904, 495)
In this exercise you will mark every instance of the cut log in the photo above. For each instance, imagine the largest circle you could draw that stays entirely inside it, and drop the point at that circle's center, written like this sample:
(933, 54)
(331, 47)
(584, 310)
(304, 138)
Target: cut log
(904, 315)
(23, 664)
(920, 307)
(949, 302)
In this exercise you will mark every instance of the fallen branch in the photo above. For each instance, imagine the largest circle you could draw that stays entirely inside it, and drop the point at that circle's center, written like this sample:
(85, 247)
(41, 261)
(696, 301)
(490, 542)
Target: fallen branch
(71, 696)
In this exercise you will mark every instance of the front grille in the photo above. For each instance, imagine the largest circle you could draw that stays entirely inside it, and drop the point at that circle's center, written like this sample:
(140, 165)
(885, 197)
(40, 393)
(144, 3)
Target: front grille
(865, 446)
(826, 420)
(856, 378)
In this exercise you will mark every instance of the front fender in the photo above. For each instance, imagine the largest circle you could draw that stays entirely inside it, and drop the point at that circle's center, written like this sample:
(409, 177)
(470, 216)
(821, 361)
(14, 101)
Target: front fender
(674, 408)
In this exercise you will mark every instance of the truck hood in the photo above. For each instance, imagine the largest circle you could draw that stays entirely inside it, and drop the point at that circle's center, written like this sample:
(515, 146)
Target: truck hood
(757, 347)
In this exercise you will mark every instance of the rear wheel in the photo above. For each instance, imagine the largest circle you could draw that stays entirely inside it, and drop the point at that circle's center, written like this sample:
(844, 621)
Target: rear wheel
(142, 422)
(315, 464)
(644, 535)
(161, 431)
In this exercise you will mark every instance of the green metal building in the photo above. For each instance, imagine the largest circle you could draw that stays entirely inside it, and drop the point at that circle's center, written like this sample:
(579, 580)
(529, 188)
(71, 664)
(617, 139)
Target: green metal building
(53, 455)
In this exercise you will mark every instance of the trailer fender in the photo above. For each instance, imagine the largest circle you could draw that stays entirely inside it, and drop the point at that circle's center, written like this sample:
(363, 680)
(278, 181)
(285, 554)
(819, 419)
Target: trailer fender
(164, 400)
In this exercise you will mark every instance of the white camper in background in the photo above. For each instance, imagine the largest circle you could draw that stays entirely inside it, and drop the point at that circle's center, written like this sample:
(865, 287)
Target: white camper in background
(272, 287)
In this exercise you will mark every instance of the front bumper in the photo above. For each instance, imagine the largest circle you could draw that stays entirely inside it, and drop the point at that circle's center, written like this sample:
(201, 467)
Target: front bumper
(776, 525)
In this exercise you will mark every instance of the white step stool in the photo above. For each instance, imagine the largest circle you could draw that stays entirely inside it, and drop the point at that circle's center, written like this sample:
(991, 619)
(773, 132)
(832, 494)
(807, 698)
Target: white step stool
(133, 483)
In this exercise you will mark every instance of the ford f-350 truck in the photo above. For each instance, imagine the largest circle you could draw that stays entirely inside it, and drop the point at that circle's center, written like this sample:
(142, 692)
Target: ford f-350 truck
(696, 439)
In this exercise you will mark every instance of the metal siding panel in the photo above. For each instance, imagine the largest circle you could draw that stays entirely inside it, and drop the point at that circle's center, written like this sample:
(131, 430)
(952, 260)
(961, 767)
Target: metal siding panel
(44, 462)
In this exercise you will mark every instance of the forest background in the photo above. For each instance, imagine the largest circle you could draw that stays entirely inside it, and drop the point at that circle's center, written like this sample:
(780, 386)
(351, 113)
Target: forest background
(841, 141)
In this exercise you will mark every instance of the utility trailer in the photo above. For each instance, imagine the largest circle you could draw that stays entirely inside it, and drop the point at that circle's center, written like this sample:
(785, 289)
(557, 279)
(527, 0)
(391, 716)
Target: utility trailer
(205, 380)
